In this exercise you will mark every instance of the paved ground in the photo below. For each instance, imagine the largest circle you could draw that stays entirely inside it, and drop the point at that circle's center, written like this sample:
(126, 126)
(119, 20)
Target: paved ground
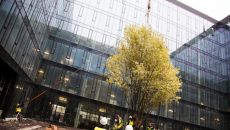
(30, 124)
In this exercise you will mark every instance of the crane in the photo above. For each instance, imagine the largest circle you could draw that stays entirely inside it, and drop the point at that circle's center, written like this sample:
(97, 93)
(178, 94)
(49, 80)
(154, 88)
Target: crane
(148, 12)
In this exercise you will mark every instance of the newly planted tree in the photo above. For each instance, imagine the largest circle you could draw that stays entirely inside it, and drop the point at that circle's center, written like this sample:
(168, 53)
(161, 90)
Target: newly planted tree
(141, 67)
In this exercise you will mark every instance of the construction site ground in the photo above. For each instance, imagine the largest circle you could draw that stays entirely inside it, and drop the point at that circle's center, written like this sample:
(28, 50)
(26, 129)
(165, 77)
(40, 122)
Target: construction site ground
(31, 124)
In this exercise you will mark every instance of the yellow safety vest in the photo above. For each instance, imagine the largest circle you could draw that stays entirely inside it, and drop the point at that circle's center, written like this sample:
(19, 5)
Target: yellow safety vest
(18, 109)
(131, 123)
(98, 128)
(118, 126)
(149, 128)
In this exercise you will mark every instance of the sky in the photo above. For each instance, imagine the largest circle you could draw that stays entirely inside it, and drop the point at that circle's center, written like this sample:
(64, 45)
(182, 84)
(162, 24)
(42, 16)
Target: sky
(217, 9)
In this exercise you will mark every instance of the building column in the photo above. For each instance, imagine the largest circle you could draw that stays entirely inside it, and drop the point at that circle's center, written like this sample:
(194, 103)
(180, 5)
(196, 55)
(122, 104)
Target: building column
(77, 116)
(84, 85)
(199, 82)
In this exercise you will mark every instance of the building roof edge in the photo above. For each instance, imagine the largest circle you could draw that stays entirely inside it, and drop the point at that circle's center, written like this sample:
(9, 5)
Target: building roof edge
(192, 10)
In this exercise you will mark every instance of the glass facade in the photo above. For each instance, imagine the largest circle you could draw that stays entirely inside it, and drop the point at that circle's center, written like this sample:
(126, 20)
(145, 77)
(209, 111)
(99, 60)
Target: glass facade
(23, 28)
(62, 46)
(103, 21)
(203, 64)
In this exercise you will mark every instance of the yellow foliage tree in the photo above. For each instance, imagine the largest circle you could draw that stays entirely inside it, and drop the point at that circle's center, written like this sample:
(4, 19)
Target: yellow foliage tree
(142, 68)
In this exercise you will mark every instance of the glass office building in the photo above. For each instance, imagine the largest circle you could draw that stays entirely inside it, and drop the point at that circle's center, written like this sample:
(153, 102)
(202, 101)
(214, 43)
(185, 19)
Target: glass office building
(23, 28)
(104, 20)
(204, 67)
(57, 51)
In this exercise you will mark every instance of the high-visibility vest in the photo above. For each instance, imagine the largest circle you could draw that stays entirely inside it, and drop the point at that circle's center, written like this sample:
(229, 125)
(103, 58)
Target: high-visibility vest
(18, 109)
(131, 123)
(149, 128)
(98, 128)
(118, 125)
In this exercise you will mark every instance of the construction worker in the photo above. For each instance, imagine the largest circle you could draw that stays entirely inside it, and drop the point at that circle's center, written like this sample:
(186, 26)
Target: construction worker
(118, 125)
(18, 111)
(103, 122)
(149, 127)
(130, 121)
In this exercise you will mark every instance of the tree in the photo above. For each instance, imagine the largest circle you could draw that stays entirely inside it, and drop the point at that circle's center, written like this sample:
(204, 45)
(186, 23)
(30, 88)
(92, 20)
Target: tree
(141, 67)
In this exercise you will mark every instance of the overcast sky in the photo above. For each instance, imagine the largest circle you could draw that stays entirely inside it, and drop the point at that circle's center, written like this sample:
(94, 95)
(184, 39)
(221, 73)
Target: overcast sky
(217, 9)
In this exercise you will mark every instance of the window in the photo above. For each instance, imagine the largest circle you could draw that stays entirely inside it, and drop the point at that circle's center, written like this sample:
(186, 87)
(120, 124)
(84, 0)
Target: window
(99, 61)
(123, 9)
(75, 29)
(53, 48)
(104, 38)
(69, 53)
(7, 7)
(90, 34)
(67, 5)
(107, 21)
(111, 4)
(135, 13)
(81, 11)
(103, 91)
(60, 25)
(93, 62)
(94, 16)
(79, 58)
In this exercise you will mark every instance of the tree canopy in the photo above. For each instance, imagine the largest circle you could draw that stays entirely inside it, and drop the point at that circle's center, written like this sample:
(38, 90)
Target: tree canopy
(142, 68)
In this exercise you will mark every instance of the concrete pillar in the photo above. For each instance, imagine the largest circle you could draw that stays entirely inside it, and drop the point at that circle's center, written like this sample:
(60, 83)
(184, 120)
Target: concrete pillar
(199, 82)
(77, 116)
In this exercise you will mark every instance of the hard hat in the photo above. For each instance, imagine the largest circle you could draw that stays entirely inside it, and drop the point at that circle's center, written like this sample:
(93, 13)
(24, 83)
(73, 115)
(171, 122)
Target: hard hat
(103, 121)
(130, 117)
(128, 127)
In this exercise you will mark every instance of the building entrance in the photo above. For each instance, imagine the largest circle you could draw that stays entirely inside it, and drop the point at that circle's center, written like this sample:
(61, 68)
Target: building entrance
(7, 83)
(58, 113)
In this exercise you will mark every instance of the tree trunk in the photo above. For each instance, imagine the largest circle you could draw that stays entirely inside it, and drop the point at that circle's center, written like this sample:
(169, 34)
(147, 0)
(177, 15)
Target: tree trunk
(158, 114)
